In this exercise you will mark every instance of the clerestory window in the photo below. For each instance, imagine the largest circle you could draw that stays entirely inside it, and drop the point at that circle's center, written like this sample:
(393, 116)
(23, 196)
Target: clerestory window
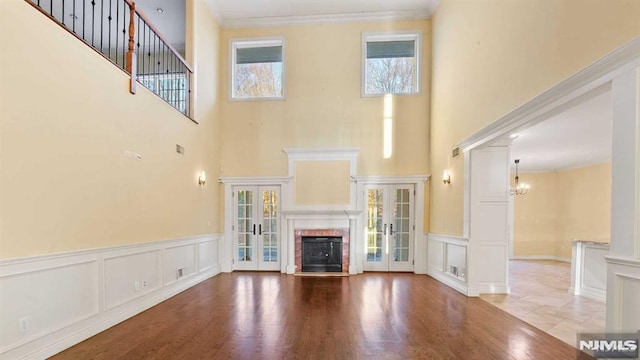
(257, 70)
(391, 63)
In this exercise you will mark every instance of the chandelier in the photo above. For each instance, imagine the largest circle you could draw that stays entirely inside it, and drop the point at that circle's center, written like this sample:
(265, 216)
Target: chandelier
(519, 189)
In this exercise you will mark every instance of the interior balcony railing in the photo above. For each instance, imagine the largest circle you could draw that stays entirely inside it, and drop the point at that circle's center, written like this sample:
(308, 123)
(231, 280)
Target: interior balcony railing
(125, 36)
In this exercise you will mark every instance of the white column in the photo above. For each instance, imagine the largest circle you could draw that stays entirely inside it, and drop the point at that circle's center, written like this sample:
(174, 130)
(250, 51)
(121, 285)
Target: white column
(353, 267)
(623, 263)
(291, 248)
(420, 240)
(226, 261)
(624, 165)
(488, 250)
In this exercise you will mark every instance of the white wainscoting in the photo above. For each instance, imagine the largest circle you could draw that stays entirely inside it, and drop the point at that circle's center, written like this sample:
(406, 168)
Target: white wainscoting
(68, 297)
(589, 270)
(623, 278)
(447, 260)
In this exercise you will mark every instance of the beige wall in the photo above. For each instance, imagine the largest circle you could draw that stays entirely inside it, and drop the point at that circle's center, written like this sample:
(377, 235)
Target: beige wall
(535, 216)
(584, 206)
(323, 106)
(491, 56)
(66, 122)
(322, 183)
(562, 206)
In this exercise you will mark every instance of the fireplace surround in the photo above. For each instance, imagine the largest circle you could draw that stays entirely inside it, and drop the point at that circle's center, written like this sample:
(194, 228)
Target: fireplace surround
(321, 254)
(322, 223)
(336, 236)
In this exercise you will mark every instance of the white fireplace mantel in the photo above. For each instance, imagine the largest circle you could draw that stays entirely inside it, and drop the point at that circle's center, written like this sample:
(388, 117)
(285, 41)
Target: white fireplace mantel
(320, 213)
(320, 218)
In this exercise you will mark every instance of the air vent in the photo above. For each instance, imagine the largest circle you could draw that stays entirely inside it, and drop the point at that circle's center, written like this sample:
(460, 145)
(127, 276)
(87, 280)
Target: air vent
(453, 270)
(180, 149)
(455, 152)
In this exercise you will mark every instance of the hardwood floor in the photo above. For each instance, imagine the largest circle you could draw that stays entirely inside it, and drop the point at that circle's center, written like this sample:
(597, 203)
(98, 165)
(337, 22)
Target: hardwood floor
(275, 316)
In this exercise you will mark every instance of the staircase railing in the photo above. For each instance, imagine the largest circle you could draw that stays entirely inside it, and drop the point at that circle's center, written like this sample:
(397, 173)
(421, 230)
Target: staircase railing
(125, 36)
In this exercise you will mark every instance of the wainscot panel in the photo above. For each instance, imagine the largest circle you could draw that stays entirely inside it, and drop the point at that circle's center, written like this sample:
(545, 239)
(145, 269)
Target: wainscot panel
(52, 302)
(448, 261)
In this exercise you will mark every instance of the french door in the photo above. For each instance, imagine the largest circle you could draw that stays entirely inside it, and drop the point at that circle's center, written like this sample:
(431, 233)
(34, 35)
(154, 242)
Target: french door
(256, 227)
(389, 228)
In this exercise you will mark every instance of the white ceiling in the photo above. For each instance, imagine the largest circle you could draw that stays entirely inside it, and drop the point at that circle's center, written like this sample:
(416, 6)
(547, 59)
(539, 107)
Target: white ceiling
(250, 13)
(171, 22)
(577, 137)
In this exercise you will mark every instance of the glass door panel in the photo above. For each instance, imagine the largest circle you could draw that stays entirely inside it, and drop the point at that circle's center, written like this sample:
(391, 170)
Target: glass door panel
(245, 221)
(389, 228)
(256, 228)
(401, 229)
(375, 230)
(268, 230)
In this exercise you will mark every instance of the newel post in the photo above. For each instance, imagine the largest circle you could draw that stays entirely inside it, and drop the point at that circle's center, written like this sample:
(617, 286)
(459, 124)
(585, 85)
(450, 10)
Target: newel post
(131, 55)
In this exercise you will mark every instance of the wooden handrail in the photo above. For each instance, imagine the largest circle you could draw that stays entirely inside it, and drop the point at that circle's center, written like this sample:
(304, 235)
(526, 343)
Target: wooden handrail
(131, 53)
(159, 35)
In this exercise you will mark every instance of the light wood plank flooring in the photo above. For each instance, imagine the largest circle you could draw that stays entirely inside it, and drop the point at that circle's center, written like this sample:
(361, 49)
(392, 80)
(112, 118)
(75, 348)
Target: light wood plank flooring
(539, 296)
(274, 316)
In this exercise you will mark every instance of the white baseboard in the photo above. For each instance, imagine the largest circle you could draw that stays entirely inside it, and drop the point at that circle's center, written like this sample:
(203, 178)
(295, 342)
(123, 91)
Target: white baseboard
(593, 294)
(493, 288)
(448, 280)
(541, 257)
(83, 297)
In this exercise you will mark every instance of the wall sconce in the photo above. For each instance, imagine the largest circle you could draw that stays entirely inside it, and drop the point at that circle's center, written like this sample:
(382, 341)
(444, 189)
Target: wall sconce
(202, 178)
(446, 177)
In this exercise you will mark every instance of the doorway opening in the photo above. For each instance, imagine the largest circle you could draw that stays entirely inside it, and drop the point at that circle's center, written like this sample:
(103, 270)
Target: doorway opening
(564, 162)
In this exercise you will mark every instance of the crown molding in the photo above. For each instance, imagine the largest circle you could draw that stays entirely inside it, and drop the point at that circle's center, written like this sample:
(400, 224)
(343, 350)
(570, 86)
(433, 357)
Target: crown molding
(254, 180)
(215, 11)
(270, 21)
(594, 162)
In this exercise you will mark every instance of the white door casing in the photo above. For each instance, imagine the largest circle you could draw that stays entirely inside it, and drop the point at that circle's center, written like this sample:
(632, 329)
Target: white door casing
(229, 250)
(256, 228)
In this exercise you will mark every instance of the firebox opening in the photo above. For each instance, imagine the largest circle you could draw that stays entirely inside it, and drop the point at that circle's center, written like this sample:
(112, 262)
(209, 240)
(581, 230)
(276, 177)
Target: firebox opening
(322, 254)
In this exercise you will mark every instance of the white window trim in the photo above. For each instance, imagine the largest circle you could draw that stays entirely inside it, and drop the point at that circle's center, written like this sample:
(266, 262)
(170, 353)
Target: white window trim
(248, 43)
(392, 36)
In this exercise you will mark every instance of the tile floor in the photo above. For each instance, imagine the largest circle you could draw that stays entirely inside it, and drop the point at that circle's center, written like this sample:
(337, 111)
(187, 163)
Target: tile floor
(539, 296)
